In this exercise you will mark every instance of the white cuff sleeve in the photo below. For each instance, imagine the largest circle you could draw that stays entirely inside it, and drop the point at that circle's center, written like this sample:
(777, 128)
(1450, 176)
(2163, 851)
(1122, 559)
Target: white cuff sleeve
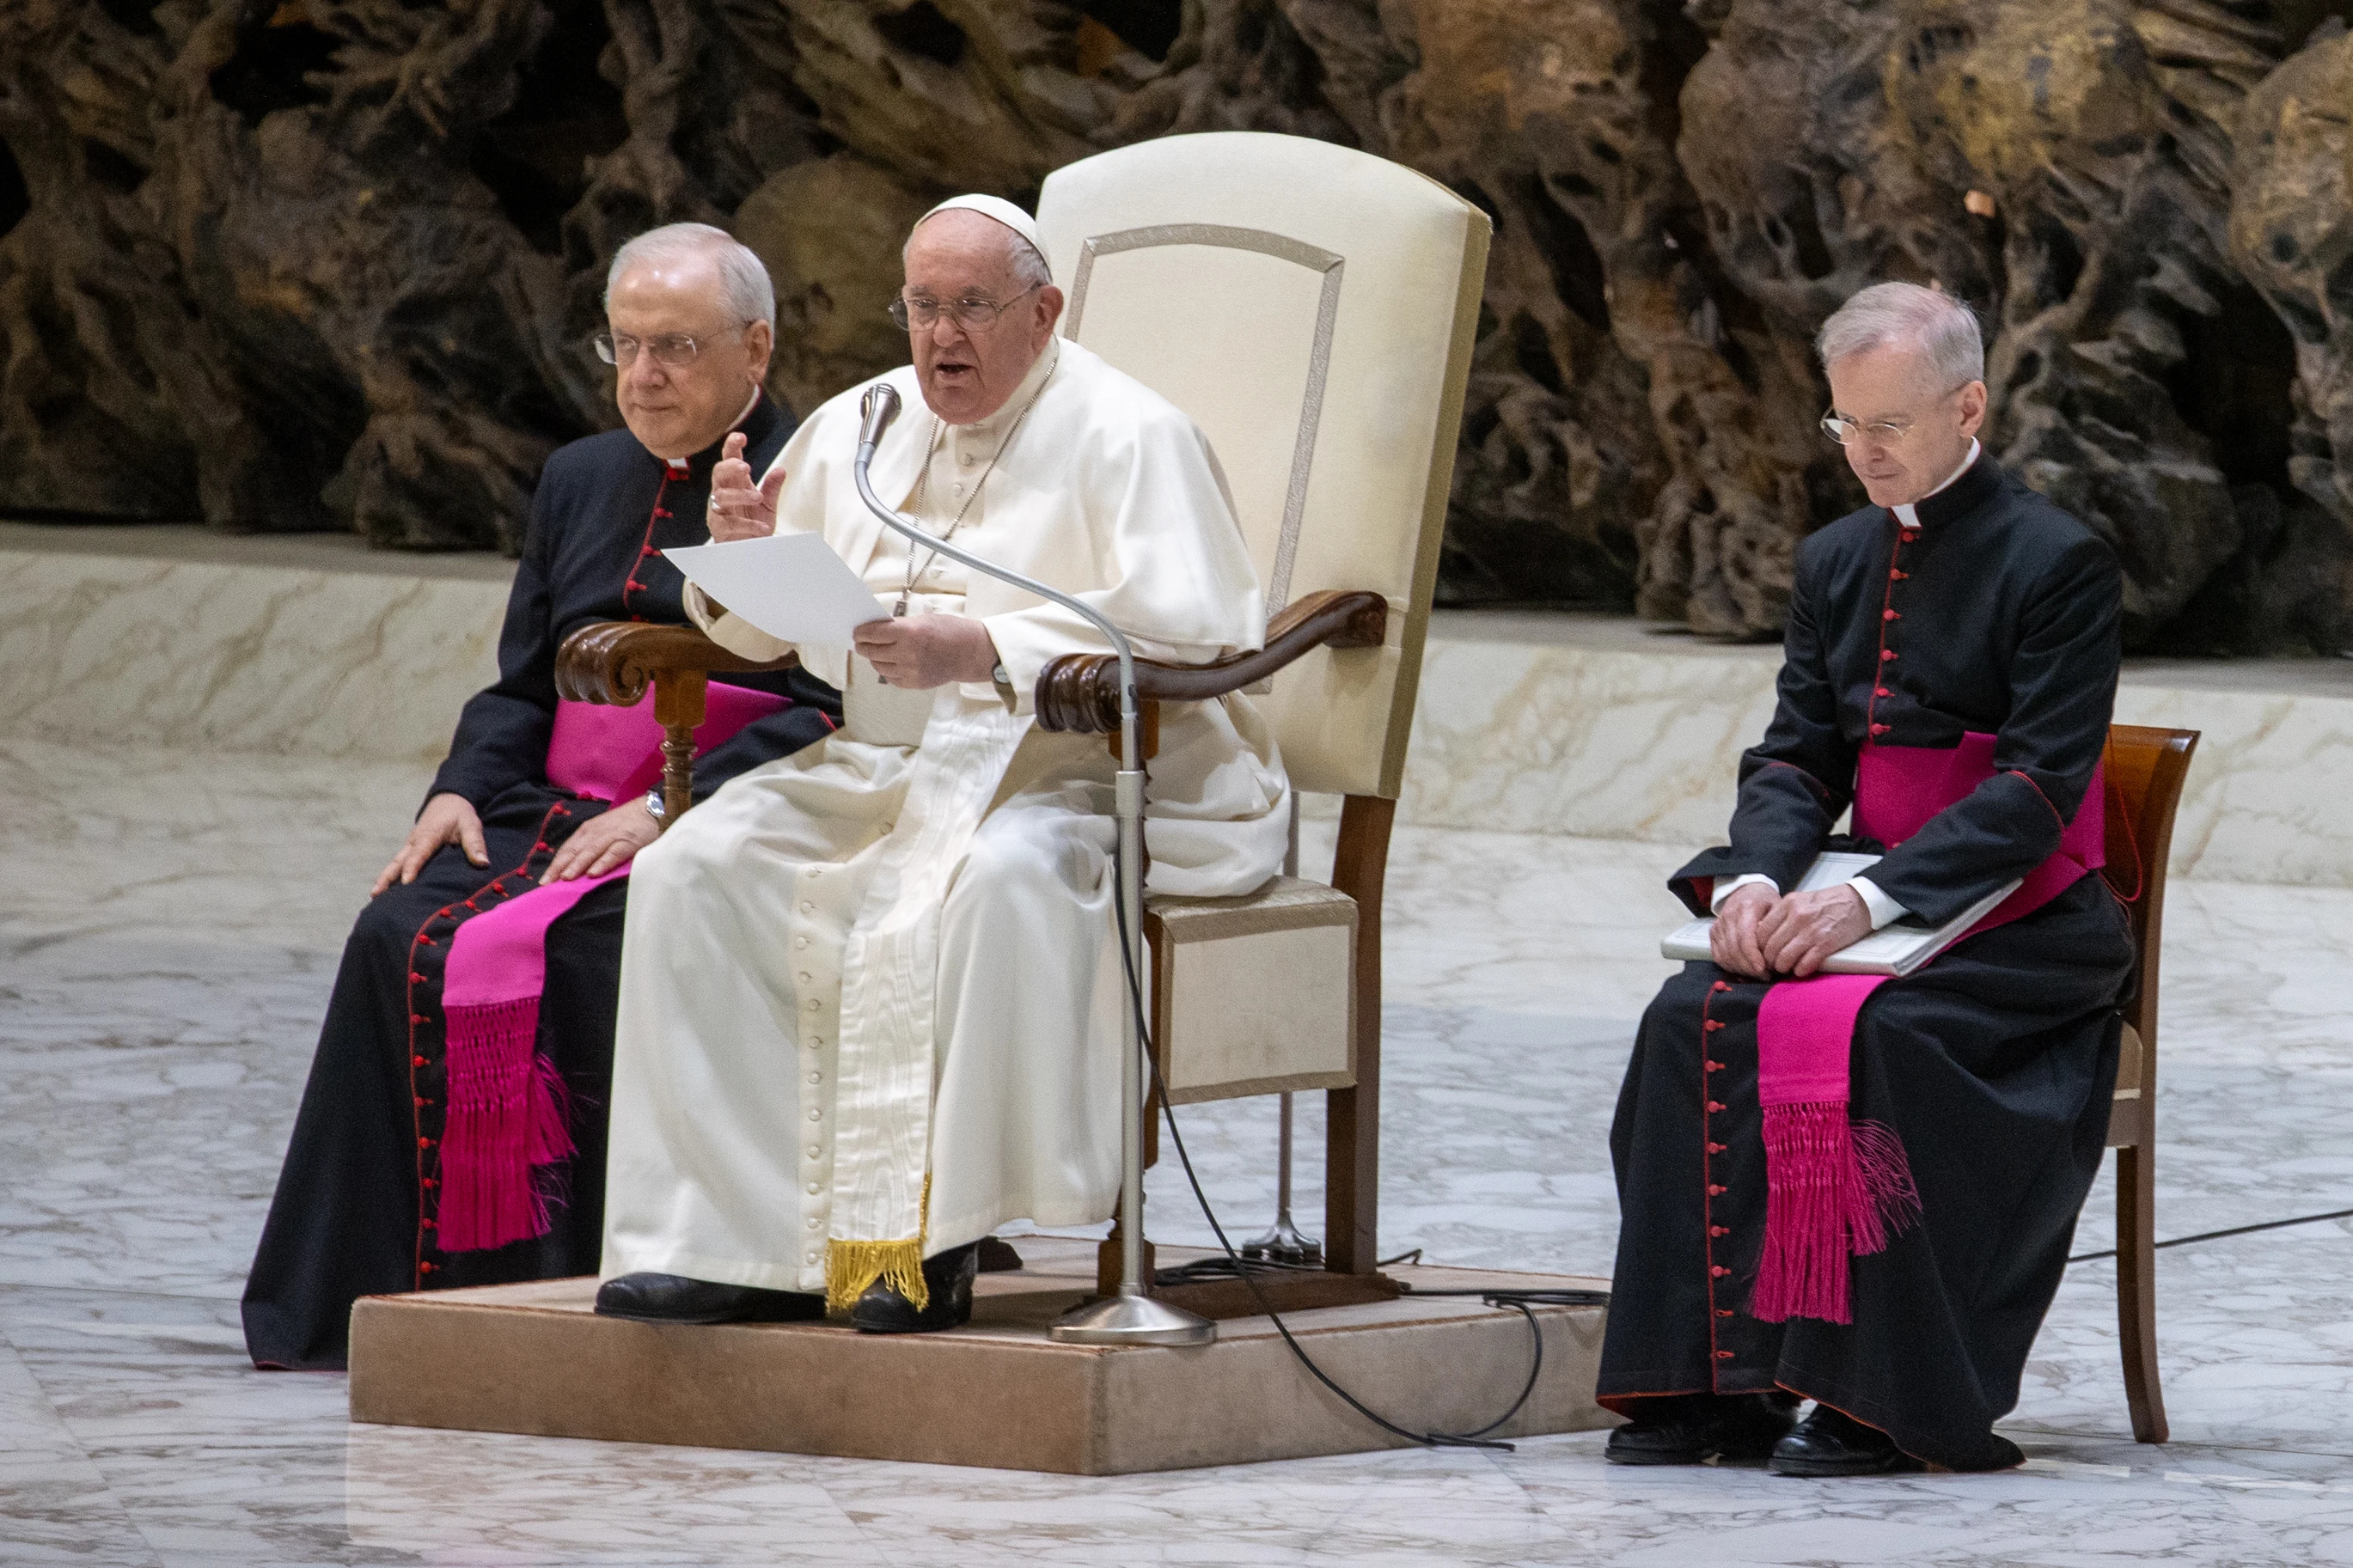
(1725, 890)
(1884, 911)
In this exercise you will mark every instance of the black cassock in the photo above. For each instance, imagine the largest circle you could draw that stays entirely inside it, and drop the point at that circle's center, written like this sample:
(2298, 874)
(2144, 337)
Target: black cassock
(353, 1211)
(1994, 1064)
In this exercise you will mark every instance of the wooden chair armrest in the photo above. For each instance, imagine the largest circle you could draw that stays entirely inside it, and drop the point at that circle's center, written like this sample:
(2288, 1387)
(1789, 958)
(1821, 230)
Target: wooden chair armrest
(1079, 692)
(613, 661)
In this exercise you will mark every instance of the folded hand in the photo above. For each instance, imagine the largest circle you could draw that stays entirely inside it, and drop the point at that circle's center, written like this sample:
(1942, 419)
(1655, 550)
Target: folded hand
(1801, 932)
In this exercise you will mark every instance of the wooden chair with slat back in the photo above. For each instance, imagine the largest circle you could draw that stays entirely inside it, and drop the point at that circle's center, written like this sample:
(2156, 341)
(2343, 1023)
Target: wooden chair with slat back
(2147, 768)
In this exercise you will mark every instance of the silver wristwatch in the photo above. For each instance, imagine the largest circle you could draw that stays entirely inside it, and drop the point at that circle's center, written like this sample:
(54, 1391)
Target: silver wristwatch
(656, 807)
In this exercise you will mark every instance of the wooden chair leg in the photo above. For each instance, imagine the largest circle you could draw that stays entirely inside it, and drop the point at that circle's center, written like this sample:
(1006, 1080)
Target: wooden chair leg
(2137, 1289)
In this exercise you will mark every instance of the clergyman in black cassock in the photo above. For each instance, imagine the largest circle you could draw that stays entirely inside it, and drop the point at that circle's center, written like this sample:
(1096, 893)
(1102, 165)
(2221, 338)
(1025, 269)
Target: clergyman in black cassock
(351, 1213)
(1986, 610)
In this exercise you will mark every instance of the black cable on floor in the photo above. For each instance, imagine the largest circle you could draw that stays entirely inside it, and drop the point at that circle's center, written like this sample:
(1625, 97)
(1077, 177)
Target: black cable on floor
(1248, 1274)
(2219, 1235)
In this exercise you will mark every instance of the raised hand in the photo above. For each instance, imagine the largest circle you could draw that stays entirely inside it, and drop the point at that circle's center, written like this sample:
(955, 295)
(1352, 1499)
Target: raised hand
(446, 819)
(740, 508)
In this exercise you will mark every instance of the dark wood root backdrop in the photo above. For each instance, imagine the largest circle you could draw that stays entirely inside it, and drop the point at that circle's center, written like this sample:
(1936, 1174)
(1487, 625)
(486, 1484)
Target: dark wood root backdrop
(304, 264)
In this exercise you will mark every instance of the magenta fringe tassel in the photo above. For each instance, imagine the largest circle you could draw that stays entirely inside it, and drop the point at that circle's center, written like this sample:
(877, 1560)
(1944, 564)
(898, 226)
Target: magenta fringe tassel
(1833, 1190)
(508, 1114)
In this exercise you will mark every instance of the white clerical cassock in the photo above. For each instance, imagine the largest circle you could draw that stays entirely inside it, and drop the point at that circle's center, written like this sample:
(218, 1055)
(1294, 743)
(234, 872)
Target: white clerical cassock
(870, 992)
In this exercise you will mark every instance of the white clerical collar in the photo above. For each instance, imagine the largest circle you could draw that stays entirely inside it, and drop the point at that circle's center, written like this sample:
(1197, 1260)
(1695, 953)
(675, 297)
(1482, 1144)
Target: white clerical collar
(681, 464)
(1909, 516)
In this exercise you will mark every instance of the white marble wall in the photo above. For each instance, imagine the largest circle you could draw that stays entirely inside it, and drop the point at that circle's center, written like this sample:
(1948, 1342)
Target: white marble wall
(1587, 727)
(148, 650)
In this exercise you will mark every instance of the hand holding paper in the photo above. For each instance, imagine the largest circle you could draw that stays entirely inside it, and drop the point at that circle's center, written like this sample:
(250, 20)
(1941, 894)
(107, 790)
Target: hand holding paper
(790, 585)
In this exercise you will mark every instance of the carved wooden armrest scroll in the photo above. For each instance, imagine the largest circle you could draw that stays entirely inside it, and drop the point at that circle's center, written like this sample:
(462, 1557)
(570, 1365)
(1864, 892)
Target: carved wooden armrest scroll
(1079, 692)
(614, 661)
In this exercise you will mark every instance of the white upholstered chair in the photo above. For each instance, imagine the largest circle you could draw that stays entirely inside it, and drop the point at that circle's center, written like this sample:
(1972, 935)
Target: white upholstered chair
(1313, 309)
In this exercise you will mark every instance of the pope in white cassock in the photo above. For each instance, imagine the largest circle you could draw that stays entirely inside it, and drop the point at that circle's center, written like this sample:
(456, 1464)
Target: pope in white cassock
(870, 992)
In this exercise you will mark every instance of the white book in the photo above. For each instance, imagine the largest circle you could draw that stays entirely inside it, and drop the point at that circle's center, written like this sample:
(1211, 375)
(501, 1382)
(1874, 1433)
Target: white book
(1897, 948)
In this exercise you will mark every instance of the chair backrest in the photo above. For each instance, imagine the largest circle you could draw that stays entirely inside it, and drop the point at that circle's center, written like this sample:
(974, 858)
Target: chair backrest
(1313, 309)
(2147, 768)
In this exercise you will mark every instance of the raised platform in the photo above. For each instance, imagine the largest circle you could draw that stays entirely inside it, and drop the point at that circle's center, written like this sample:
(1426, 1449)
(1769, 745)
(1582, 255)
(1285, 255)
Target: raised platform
(1583, 725)
(535, 1358)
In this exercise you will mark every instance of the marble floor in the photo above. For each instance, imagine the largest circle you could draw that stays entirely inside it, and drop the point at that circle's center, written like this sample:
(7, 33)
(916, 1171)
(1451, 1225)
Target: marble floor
(168, 927)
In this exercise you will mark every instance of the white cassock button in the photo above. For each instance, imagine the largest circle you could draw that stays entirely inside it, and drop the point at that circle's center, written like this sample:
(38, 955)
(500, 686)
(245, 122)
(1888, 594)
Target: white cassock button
(814, 1150)
(959, 490)
(817, 1115)
(968, 459)
(807, 908)
(815, 1189)
(800, 941)
(809, 1257)
(804, 977)
(812, 1220)
(817, 1078)
(814, 1004)
(816, 1040)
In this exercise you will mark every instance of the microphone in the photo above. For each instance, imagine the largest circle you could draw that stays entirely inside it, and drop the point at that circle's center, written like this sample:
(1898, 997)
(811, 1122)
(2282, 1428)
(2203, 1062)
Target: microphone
(875, 412)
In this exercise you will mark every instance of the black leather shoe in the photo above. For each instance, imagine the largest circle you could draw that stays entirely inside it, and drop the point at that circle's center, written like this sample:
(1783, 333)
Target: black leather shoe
(674, 1299)
(998, 1257)
(1831, 1443)
(948, 1275)
(1691, 1428)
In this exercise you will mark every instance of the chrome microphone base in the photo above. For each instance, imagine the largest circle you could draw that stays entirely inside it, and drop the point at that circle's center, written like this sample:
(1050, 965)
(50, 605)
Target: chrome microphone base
(1284, 1244)
(1131, 1320)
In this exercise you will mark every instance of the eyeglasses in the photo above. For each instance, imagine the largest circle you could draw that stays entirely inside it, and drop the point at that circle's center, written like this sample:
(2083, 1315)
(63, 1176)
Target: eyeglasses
(969, 315)
(1881, 432)
(671, 349)
(1847, 432)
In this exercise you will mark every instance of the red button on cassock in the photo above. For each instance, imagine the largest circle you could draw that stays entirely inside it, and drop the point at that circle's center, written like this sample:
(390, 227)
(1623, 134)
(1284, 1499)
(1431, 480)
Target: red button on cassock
(1724, 1311)
(1718, 1269)
(1879, 729)
(1712, 1066)
(1723, 1355)
(424, 1142)
(1886, 654)
(1715, 1192)
(1879, 691)
(1719, 1230)
(1714, 1024)
(1717, 1148)
(1715, 1108)
(1883, 615)
(1910, 535)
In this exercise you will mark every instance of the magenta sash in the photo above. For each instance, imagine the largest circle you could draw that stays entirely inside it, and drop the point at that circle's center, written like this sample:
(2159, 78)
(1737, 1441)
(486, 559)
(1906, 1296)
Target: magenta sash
(507, 1111)
(1836, 1189)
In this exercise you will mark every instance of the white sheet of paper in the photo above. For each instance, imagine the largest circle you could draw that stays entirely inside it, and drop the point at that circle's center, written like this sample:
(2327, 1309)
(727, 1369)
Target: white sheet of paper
(790, 585)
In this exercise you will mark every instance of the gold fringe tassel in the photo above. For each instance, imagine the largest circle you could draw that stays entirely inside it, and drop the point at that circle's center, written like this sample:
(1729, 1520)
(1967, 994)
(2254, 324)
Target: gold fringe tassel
(852, 1266)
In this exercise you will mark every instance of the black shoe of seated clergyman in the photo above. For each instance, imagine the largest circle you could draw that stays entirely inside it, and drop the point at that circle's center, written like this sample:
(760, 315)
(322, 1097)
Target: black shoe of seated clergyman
(1692, 1428)
(948, 1277)
(1831, 1443)
(674, 1299)
(998, 1257)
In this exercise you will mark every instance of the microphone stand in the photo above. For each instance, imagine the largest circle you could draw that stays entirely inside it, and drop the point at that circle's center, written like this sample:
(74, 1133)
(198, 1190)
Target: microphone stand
(1131, 1317)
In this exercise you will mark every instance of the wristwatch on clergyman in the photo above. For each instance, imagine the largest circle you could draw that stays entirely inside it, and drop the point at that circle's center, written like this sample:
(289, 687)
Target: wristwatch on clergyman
(656, 807)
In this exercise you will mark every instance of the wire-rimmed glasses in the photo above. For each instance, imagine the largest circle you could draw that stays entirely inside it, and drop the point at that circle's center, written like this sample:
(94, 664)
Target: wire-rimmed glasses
(923, 312)
(671, 349)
